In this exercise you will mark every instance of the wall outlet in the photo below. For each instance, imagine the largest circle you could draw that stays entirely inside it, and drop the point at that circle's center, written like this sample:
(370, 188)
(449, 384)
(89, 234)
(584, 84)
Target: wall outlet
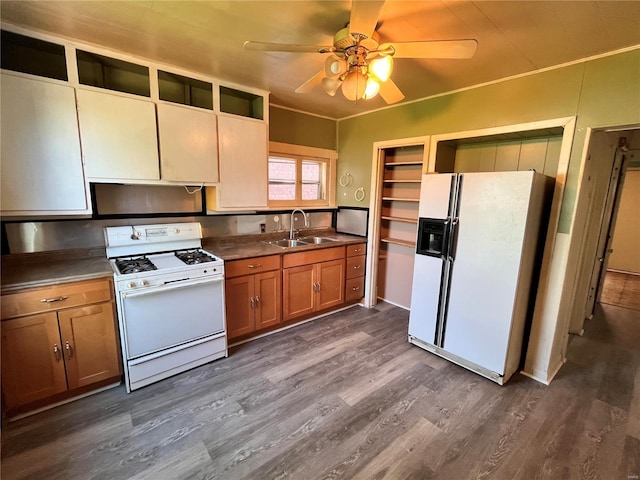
(263, 228)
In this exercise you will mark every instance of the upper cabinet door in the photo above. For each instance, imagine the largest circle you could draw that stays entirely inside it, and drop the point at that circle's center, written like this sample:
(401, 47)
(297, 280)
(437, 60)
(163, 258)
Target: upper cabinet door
(41, 166)
(188, 144)
(243, 163)
(119, 137)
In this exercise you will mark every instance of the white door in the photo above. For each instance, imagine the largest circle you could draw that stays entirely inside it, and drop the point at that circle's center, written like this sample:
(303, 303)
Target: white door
(492, 219)
(427, 271)
(188, 140)
(41, 166)
(119, 137)
(606, 231)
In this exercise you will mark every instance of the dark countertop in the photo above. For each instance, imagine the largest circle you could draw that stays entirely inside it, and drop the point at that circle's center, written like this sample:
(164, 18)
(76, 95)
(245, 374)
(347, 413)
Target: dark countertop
(28, 270)
(255, 245)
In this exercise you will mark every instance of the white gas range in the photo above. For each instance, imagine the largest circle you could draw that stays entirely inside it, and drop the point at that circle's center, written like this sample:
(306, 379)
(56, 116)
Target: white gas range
(170, 298)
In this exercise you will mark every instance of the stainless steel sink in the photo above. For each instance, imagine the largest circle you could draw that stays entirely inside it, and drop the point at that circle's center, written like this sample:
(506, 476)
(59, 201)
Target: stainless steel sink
(316, 240)
(286, 243)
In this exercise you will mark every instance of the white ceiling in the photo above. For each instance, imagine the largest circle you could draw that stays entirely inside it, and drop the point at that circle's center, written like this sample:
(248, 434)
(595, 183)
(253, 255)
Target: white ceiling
(514, 37)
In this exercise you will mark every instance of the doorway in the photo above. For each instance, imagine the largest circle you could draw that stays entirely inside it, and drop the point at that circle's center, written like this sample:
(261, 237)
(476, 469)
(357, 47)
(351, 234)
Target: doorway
(611, 154)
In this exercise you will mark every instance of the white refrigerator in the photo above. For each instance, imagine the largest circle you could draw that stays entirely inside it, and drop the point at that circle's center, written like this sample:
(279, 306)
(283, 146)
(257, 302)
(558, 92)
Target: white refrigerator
(476, 254)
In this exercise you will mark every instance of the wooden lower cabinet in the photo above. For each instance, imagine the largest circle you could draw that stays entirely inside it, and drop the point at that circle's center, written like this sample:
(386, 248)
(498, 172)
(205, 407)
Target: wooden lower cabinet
(252, 301)
(47, 354)
(356, 259)
(315, 285)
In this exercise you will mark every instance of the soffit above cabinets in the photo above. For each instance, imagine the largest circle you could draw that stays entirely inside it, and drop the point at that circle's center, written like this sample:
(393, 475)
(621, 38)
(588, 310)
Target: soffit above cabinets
(514, 37)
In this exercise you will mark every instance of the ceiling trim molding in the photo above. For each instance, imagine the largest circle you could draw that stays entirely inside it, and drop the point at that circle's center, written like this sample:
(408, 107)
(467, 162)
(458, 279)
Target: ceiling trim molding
(301, 111)
(500, 80)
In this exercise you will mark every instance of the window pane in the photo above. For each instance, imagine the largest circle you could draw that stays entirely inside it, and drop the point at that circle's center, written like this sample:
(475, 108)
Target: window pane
(310, 171)
(282, 169)
(280, 191)
(311, 191)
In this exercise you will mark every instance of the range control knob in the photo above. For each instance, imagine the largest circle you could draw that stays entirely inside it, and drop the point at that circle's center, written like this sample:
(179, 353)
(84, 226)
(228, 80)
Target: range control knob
(132, 285)
(144, 283)
(176, 230)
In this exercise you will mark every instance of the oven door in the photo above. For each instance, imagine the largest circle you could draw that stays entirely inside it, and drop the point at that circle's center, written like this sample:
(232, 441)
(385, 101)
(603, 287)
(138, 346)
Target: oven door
(161, 317)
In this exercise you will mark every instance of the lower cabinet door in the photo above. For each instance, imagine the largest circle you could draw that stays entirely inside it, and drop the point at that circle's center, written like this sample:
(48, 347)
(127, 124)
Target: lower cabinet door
(238, 301)
(89, 344)
(299, 294)
(32, 359)
(267, 299)
(330, 277)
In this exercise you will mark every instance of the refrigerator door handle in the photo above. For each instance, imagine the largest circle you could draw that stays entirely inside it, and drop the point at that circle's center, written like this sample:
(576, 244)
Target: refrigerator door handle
(445, 240)
(453, 239)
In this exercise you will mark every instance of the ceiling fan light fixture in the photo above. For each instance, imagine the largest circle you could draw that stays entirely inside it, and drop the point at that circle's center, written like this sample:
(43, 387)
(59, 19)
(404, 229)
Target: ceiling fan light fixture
(335, 66)
(331, 85)
(371, 89)
(354, 85)
(381, 68)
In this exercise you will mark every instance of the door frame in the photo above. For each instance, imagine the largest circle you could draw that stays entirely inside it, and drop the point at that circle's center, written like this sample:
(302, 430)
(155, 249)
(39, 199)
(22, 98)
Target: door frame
(593, 216)
(375, 207)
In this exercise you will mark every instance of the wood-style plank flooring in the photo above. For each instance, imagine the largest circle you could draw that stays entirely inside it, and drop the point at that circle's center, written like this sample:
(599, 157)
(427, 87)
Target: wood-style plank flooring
(347, 397)
(621, 289)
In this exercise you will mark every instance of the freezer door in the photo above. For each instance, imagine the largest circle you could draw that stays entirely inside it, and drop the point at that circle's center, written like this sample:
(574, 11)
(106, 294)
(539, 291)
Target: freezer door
(425, 296)
(491, 230)
(435, 192)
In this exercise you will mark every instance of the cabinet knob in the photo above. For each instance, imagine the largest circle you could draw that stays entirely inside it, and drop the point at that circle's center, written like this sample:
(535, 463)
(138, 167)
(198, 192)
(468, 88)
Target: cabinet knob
(67, 350)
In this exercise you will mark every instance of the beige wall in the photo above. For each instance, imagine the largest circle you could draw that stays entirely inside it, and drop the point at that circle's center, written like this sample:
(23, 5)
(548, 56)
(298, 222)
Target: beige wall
(626, 236)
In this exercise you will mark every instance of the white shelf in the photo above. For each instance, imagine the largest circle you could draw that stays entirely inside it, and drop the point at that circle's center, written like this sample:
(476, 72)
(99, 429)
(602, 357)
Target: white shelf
(398, 199)
(401, 164)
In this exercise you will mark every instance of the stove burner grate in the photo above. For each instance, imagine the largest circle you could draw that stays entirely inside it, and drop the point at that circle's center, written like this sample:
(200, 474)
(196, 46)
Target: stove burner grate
(134, 265)
(193, 257)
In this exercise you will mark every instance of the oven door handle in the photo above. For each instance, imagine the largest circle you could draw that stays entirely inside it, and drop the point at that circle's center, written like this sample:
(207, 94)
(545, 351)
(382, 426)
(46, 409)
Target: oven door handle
(171, 286)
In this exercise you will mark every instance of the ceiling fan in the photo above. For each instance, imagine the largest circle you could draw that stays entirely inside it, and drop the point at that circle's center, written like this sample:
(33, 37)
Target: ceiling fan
(358, 63)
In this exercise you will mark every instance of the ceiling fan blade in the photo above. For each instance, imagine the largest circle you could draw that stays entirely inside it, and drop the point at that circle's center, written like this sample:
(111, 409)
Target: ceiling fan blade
(285, 47)
(364, 16)
(390, 92)
(435, 49)
(312, 83)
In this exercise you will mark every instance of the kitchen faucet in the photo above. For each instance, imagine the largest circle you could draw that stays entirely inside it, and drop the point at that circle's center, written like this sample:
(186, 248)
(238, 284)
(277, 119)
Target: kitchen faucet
(306, 221)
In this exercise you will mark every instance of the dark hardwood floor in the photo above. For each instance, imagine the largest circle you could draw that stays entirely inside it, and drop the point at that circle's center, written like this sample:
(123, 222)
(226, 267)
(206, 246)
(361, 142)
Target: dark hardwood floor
(347, 397)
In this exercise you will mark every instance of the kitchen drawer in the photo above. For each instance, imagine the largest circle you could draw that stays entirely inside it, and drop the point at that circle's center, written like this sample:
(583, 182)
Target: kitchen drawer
(356, 249)
(248, 266)
(355, 266)
(312, 256)
(56, 297)
(354, 289)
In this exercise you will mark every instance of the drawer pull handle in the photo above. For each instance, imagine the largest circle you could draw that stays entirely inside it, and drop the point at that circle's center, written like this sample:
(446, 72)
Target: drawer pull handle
(356, 267)
(257, 265)
(55, 299)
(253, 303)
(257, 301)
(355, 289)
(67, 350)
(356, 250)
(56, 352)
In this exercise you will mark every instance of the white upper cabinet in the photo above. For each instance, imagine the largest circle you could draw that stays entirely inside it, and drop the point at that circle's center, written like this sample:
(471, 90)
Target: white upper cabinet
(243, 150)
(188, 144)
(41, 166)
(119, 138)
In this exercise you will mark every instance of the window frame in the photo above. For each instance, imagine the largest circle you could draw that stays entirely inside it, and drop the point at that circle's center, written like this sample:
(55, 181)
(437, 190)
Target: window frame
(327, 158)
